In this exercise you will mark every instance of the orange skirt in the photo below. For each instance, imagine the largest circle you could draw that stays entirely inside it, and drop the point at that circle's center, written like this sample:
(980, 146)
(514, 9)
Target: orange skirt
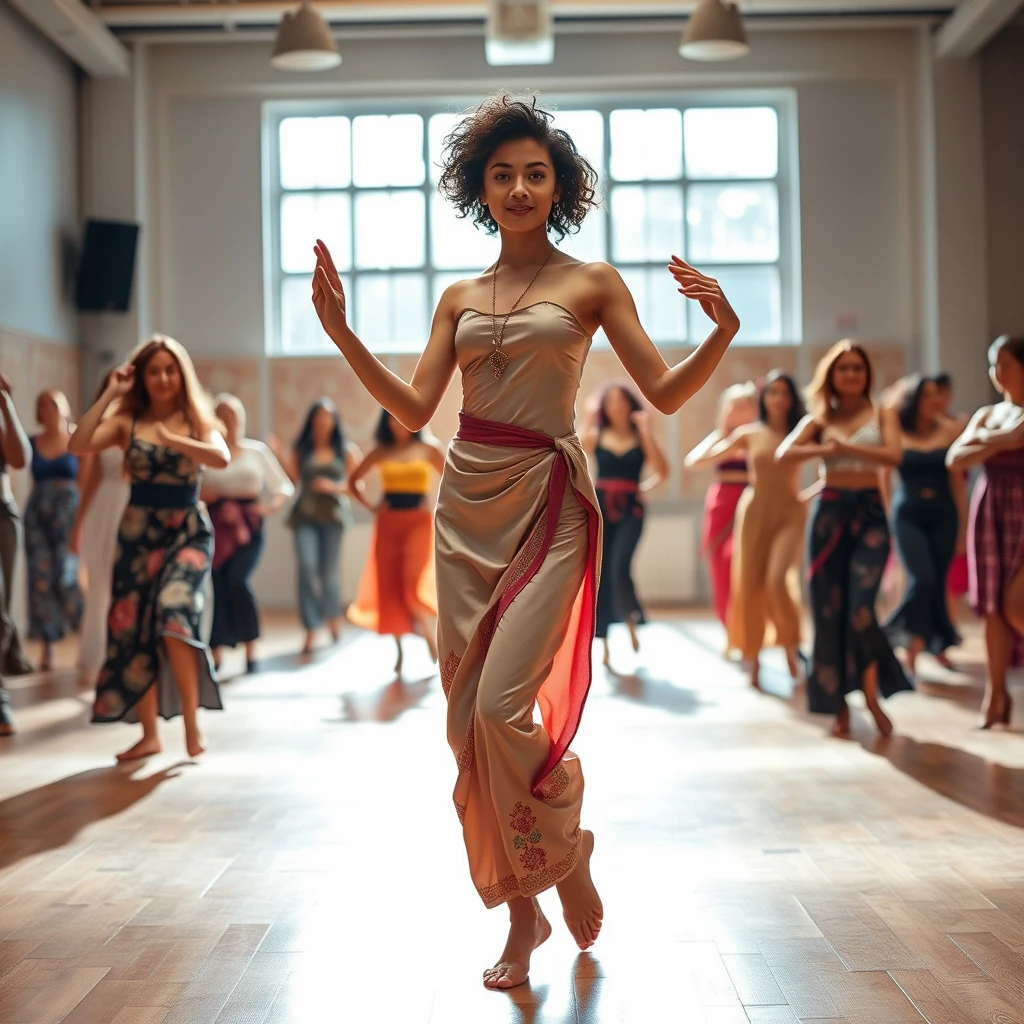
(398, 582)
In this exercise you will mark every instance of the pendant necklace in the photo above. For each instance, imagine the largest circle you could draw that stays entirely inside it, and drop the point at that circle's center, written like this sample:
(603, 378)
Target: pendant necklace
(498, 359)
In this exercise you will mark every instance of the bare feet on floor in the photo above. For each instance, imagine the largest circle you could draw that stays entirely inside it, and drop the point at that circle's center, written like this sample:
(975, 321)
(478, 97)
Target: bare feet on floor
(194, 743)
(144, 748)
(581, 905)
(841, 726)
(529, 929)
(631, 624)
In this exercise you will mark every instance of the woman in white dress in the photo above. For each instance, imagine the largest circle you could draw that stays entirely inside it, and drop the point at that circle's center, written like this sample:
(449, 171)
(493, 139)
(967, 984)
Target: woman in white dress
(104, 494)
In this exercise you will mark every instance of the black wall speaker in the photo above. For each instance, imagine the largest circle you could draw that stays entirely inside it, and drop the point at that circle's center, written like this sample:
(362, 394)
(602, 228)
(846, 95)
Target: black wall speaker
(107, 267)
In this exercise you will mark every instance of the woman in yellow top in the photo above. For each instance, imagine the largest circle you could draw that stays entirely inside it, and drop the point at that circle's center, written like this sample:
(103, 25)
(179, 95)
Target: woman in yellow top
(397, 592)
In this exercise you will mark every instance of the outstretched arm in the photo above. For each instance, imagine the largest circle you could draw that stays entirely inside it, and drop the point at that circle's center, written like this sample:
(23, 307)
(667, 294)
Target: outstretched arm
(96, 430)
(969, 449)
(653, 455)
(701, 454)
(356, 485)
(666, 388)
(413, 403)
(801, 444)
(14, 442)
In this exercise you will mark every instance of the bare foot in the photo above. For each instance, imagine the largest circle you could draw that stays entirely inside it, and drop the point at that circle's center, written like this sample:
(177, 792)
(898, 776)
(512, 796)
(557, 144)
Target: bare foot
(398, 660)
(792, 663)
(307, 647)
(527, 931)
(945, 661)
(606, 659)
(144, 748)
(633, 638)
(194, 743)
(581, 905)
(755, 674)
(841, 726)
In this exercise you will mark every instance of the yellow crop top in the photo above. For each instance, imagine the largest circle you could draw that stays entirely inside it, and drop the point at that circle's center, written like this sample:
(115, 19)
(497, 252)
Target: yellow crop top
(411, 477)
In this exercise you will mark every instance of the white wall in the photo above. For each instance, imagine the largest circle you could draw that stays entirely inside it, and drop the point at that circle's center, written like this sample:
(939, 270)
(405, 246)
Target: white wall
(38, 182)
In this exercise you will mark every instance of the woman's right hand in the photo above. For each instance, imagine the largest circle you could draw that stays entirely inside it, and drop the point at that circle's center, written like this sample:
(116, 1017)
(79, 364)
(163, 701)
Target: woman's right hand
(328, 292)
(122, 380)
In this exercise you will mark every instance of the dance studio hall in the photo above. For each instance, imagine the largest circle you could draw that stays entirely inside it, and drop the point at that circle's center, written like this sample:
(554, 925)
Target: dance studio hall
(675, 345)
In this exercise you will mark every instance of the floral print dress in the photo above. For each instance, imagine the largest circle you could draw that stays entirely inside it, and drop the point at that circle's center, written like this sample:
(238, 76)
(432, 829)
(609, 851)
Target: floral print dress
(161, 565)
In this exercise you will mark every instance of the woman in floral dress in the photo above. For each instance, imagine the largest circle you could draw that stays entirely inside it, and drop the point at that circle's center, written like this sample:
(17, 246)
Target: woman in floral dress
(156, 662)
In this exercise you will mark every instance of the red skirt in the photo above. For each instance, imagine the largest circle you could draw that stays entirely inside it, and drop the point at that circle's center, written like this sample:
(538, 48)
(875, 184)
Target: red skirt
(716, 541)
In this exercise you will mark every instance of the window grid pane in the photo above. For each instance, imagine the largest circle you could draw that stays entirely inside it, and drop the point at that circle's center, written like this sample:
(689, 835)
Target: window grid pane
(367, 185)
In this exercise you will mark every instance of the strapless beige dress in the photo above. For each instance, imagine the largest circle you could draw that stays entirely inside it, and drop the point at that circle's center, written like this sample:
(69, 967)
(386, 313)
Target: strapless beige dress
(518, 543)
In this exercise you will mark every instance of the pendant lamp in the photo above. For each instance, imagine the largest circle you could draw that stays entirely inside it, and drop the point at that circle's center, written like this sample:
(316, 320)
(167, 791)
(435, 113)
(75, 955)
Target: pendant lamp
(304, 43)
(714, 32)
(519, 32)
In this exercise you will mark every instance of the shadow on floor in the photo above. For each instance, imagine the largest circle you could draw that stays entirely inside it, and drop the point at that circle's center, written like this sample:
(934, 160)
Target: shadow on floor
(387, 703)
(51, 816)
(641, 688)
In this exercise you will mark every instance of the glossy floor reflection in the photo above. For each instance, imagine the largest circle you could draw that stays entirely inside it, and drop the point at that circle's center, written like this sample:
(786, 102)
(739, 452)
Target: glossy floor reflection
(309, 869)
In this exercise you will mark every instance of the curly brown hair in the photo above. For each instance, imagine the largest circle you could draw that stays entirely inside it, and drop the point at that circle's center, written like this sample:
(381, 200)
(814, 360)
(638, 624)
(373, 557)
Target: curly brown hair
(503, 118)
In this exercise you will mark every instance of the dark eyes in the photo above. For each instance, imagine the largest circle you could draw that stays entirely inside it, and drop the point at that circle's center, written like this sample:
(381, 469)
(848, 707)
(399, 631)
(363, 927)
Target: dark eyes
(504, 176)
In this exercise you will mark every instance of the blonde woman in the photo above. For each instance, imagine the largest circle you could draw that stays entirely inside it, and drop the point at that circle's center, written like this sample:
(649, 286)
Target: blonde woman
(736, 408)
(157, 664)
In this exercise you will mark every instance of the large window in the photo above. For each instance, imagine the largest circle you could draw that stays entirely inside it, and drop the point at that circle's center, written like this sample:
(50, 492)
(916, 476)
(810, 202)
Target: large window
(708, 182)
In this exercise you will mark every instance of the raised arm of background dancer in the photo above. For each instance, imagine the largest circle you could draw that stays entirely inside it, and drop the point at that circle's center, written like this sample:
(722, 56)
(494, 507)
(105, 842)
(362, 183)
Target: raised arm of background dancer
(701, 455)
(666, 388)
(17, 449)
(356, 472)
(737, 441)
(968, 449)
(414, 403)
(653, 455)
(801, 446)
(958, 487)
(811, 491)
(286, 458)
(437, 455)
(889, 452)
(96, 430)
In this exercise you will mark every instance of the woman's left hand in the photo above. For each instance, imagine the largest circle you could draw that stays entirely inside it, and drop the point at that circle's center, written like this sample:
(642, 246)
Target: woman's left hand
(707, 291)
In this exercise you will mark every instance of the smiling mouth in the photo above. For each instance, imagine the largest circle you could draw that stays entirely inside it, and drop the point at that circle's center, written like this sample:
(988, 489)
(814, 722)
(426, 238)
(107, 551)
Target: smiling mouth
(519, 209)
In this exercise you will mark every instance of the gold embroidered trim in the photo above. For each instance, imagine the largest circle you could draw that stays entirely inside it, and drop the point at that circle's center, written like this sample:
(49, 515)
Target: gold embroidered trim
(460, 810)
(555, 784)
(448, 670)
(494, 895)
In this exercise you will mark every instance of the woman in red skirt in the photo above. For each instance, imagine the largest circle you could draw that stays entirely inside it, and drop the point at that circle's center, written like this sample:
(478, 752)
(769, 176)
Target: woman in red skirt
(994, 438)
(737, 407)
(397, 592)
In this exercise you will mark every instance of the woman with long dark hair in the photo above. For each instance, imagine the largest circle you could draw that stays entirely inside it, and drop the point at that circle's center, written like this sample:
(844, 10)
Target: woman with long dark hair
(928, 515)
(517, 525)
(621, 443)
(994, 439)
(54, 597)
(736, 407)
(239, 498)
(769, 530)
(157, 664)
(848, 539)
(15, 453)
(320, 463)
(398, 591)
(105, 491)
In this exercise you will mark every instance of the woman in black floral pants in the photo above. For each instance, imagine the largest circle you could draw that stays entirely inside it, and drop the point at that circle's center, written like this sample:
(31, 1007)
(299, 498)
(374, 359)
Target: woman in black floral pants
(156, 663)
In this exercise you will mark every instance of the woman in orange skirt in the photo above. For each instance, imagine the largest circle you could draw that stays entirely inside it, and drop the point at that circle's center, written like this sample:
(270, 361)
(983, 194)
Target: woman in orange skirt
(397, 592)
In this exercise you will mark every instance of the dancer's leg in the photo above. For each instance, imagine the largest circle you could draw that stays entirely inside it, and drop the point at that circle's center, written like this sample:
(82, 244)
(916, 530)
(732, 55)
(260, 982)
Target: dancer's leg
(146, 709)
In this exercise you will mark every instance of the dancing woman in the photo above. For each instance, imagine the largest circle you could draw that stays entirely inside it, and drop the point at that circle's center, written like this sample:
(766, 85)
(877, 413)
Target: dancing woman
(928, 514)
(848, 539)
(620, 440)
(54, 598)
(233, 496)
(320, 462)
(15, 453)
(736, 407)
(769, 531)
(156, 662)
(518, 534)
(398, 591)
(105, 492)
(994, 439)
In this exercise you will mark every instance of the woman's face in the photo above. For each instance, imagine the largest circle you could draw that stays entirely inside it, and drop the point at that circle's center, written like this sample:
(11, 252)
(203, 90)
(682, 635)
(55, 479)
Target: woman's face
(618, 408)
(740, 412)
(399, 431)
(48, 412)
(519, 185)
(162, 378)
(929, 402)
(778, 400)
(1008, 374)
(323, 426)
(849, 375)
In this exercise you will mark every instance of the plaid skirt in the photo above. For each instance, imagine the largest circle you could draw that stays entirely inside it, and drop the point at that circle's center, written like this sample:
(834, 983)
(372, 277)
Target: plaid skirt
(995, 531)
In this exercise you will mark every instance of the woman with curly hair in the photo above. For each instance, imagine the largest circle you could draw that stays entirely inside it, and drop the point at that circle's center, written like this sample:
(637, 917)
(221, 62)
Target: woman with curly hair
(518, 533)
(620, 440)
(397, 592)
(765, 602)
(156, 662)
(928, 511)
(848, 538)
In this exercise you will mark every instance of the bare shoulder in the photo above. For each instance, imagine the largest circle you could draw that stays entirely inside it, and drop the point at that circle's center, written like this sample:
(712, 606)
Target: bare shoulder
(458, 297)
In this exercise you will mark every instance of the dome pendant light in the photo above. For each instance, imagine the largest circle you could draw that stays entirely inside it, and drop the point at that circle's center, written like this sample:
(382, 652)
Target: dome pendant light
(714, 32)
(304, 43)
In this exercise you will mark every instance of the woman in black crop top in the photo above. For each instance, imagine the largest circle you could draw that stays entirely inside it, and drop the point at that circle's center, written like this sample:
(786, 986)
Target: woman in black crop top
(619, 439)
(928, 513)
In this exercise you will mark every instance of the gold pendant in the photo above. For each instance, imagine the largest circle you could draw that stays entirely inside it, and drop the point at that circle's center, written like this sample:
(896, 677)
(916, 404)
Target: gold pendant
(498, 361)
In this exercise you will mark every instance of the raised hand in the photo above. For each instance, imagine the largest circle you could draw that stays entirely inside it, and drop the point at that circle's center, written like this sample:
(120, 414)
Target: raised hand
(328, 292)
(642, 419)
(707, 291)
(122, 380)
(6, 387)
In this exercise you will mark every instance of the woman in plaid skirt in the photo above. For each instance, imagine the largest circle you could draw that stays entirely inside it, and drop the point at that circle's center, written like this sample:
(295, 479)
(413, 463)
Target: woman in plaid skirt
(995, 546)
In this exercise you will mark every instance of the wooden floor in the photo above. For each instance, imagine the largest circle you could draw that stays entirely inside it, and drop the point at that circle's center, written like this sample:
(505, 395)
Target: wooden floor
(310, 868)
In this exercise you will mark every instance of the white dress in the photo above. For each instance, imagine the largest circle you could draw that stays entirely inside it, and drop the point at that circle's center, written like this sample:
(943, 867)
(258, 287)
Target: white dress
(99, 544)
